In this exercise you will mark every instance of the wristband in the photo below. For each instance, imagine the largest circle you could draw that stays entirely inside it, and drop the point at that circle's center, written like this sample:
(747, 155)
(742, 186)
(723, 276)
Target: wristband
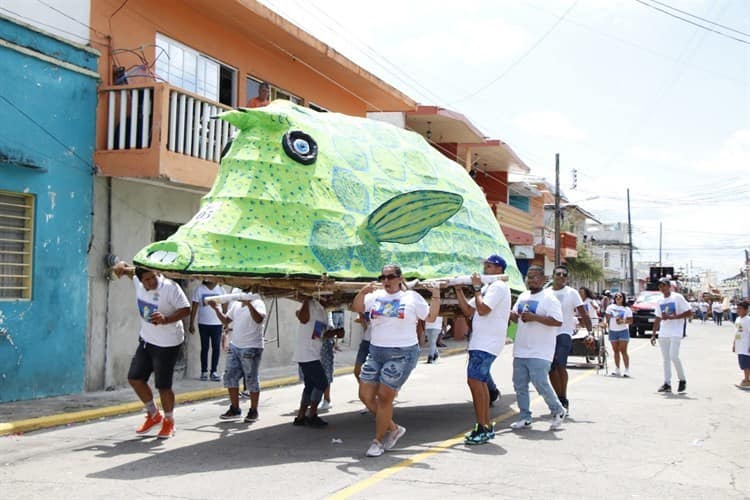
(477, 288)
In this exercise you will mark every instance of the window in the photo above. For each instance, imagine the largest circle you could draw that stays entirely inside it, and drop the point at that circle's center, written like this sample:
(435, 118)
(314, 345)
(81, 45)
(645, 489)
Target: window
(520, 202)
(317, 108)
(163, 230)
(16, 245)
(188, 69)
(606, 259)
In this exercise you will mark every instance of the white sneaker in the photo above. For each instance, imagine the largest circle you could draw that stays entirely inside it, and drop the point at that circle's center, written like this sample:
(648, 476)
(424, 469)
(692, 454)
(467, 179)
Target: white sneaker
(557, 420)
(616, 373)
(325, 405)
(392, 437)
(627, 373)
(375, 449)
(521, 424)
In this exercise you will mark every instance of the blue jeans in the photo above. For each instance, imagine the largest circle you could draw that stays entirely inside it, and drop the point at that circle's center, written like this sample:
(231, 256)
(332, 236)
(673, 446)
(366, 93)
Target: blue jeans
(432, 336)
(536, 371)
(243, 363)
(212, 334)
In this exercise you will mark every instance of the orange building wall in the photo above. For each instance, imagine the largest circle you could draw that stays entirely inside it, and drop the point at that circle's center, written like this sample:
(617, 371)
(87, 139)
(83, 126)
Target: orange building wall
(212, 34)
(495, 186)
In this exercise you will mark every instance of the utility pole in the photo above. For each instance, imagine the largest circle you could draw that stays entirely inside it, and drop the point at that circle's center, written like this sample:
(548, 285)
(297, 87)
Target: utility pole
(557, 209)
(660, 244)
(630, 245)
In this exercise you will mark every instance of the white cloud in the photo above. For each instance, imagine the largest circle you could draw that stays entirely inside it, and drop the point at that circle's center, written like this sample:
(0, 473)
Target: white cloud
(550, 124)
(734, 153)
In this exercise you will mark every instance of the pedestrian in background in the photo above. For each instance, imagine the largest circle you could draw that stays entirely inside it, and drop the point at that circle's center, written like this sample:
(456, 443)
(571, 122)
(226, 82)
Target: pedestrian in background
(209, 327)
(741, 344)
(671, 311)
(592, 307)
(619, 318)
(432, 332)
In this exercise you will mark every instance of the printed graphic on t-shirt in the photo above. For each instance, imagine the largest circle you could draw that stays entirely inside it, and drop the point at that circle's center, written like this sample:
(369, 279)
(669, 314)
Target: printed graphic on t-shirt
(387, 308)
(146, 309)
(618, 313)
(318, 329)
(337, 318)
(527, 306)
(203, 297)
(668, 308)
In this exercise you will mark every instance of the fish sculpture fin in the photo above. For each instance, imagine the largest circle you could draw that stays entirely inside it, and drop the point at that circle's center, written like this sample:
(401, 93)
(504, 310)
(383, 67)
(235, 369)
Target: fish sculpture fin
(408, 217)
(248, 118)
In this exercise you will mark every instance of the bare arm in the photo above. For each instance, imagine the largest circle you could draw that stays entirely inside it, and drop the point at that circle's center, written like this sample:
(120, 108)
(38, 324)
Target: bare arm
(303, 314)
(158, 318)
(193, 310)
(358, 304)
(122, 268)
(434, 305)
(257, 317)
(463, 304)
(584, 317)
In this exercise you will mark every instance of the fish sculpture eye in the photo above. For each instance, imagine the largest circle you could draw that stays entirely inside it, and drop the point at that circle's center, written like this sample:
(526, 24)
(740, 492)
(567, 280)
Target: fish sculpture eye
(300, 147)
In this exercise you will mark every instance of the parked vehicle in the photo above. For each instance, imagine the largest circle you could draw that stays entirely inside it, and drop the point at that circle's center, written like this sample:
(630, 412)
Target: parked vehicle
(643, 312)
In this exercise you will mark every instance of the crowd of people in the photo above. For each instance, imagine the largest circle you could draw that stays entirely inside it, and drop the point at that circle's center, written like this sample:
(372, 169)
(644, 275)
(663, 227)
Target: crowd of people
(390, 315)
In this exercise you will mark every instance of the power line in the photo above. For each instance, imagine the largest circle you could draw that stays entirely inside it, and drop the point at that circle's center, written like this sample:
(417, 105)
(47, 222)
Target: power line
(520, 59)
(701, 18)
(694, 23)
(63, 13)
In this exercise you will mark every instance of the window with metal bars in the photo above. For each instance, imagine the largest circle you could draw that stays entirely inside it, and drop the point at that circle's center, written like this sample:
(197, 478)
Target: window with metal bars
(16, 245)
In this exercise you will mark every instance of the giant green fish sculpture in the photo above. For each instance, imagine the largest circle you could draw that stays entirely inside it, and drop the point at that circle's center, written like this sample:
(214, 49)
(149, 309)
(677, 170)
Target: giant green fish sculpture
(301, 194)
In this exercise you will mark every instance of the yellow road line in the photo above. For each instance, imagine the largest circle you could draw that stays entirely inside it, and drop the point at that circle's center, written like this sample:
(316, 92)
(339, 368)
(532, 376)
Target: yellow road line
(420, 457)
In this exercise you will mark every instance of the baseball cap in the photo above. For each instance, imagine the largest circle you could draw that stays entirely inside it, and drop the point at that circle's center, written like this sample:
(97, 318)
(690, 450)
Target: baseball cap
(665, 281)
(497, 260)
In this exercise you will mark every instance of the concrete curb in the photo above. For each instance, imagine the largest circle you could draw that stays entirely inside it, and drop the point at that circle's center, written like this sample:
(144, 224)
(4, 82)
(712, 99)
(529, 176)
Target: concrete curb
(59, 419)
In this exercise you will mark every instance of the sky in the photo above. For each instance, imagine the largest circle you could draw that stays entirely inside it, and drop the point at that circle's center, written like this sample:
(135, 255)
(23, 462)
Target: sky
(630, 97)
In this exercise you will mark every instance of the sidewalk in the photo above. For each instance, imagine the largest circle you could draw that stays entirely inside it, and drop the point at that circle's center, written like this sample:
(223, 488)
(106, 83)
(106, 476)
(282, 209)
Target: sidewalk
(24, 416)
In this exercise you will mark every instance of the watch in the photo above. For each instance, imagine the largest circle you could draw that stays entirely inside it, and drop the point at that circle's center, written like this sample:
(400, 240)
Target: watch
(477, 288)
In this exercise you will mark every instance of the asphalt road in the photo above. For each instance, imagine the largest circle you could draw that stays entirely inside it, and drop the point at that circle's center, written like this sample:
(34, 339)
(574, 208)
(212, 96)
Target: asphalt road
(622, 440)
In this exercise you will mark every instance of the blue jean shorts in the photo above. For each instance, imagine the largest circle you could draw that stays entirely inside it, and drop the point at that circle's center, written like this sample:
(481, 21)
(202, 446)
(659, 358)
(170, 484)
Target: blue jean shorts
(622, 335)
(243, 362)
(479, 366)
(744, 361)
(390, 366)
(563, 344)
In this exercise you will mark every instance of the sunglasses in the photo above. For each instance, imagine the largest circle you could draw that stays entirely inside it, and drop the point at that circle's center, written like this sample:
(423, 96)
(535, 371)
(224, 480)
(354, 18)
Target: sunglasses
(384, 277)
(565, 275)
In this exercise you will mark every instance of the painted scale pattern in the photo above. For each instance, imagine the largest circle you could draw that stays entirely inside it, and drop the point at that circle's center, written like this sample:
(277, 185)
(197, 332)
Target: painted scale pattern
(375, 194)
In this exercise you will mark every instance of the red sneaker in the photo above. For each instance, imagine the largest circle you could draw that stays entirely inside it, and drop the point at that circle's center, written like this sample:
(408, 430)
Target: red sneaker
(149, 423)
(167, 429)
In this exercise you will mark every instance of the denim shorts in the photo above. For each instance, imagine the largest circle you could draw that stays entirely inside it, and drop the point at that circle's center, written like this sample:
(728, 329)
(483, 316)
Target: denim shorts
(479, 366)
(563, 344)
(362, 352)
(744, 361)
(390, 366)
(622, 335)
(243, 362)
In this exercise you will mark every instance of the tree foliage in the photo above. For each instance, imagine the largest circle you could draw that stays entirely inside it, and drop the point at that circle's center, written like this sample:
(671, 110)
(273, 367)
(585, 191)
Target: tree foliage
(585, 267)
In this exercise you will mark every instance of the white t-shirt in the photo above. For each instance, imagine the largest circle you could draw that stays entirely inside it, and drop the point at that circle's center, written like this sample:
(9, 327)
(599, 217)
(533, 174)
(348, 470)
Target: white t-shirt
(614, 311)
(742, 337)
(592, 308)
(570, 300)
(488, 332)
(167, 298)
(206, 314)
(533, 339)
(716, 307)
(245, 331)
(674, 304)
(309, 334)
(393, 317)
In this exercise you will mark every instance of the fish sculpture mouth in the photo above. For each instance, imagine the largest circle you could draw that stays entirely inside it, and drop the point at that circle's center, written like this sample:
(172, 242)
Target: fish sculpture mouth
(167, 255)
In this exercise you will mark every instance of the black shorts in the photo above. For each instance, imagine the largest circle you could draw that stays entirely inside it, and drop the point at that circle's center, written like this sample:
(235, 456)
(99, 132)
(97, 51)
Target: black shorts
(151, 358)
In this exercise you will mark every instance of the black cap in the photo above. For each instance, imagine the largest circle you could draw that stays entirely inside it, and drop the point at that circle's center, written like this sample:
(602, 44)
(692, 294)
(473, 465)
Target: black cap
(665, 281)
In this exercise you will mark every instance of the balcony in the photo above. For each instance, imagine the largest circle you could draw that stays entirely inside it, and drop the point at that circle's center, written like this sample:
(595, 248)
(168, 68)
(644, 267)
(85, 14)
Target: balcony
(544, 243)
(517, 225)
(159, 132)
(568, 245)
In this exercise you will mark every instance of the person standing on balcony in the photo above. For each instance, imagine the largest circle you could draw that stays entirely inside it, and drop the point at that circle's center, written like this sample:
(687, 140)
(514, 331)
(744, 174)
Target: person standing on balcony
(161, 306)
(263, 97)
(571, 303)
(209, 327)
(489, 310)
(671, 311)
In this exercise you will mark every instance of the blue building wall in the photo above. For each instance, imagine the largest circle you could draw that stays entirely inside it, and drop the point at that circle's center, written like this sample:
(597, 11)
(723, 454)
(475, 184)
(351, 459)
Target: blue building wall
(48, 107)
